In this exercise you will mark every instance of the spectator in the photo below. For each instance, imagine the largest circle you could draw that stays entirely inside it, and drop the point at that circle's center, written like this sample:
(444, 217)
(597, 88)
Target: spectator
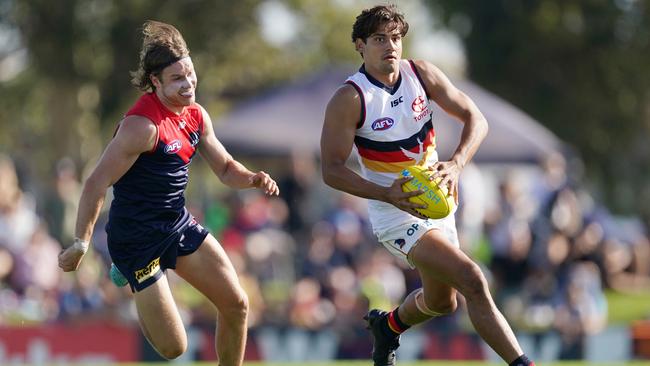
(18, 219)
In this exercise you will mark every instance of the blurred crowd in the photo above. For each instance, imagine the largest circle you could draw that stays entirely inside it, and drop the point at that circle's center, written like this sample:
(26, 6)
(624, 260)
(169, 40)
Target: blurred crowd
(309, 261)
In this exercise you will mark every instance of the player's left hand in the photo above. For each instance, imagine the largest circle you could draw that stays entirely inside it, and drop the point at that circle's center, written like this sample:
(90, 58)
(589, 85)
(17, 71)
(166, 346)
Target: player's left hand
(70, 258)
(449, 173)
(264, 182)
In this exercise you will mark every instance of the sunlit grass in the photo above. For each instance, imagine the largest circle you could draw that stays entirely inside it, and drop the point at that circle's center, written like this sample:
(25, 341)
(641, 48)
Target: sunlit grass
(625, 308)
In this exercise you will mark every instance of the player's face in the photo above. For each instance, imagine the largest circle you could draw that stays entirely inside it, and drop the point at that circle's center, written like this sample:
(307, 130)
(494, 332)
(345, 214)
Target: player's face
(382, 51)
(177, 84)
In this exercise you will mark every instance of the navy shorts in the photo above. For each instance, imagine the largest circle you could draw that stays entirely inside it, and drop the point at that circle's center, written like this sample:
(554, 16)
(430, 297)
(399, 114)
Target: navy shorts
(144, 263)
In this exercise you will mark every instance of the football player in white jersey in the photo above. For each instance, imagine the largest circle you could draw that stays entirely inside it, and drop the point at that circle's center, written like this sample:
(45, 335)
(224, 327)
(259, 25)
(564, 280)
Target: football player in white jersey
(380, 111)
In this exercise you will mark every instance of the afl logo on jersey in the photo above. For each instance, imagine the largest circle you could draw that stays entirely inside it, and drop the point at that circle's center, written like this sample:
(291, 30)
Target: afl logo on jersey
(418, 104)
(383, 124)
(173, 147)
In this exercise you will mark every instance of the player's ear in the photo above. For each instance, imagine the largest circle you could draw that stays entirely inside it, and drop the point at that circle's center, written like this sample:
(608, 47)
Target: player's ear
(359, 45)
(154, 81)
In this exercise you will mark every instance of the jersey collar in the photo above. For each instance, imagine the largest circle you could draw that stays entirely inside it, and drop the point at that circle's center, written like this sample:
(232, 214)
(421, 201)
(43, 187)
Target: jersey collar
(166, 110)
(389, 89)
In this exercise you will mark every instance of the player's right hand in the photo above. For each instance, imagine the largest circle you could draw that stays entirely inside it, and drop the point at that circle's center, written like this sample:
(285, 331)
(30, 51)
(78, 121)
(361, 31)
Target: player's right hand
(70, 258)
(264, 182)
(400, 199)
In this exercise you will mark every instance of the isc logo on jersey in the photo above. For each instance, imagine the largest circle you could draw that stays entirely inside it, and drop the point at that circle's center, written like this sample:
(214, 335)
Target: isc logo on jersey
(383, 124)
(173, 147)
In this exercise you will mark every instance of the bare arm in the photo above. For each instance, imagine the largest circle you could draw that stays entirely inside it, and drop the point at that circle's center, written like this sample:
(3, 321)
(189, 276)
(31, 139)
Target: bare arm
(228, 170)
(459, 105)
(341, 117)
(135, 136)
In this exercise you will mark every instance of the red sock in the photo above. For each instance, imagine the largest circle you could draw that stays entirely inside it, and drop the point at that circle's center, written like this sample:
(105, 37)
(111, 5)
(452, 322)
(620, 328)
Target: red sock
(394, 324)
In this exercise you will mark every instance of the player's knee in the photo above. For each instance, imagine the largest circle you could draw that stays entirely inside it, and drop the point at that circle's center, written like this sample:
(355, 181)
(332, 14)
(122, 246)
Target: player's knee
(436, 306)
(444, 306)
(172, 351)
(243, 304)
(473, 282)
(237, 307)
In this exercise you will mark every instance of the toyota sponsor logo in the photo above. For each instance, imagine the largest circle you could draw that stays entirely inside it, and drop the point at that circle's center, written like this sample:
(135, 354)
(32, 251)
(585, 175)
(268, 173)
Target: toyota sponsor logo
(383, 124)
(419, 104)
(173, 147)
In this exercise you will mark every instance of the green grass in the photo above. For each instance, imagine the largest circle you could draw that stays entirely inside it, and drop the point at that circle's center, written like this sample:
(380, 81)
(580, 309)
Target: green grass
(420, 363)
(625, 308)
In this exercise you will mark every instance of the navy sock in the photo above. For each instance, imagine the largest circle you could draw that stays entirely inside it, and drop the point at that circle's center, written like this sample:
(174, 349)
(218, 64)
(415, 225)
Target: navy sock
(522, 360)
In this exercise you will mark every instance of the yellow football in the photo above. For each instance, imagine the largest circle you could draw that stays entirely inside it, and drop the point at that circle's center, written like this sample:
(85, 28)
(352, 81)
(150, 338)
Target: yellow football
(439, 203)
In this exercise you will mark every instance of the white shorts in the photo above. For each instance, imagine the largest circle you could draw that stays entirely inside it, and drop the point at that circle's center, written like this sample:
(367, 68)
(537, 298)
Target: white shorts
(400, 239)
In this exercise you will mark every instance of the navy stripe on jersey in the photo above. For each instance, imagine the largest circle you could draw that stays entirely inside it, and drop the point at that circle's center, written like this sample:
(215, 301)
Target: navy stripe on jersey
(417, 73)
(389, 89)
(363, 103)
(407, 143)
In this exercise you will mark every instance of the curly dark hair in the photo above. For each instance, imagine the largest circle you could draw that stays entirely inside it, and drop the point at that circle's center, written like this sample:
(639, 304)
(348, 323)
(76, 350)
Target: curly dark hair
(162, 46)
(371, 19)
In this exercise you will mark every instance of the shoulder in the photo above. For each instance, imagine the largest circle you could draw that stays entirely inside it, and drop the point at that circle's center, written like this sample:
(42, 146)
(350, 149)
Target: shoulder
(422, 65)
(346, 108)
(427, 70)
(347, 94)
(425, 67)
(203, 119)
(138, 132)
(135, 134)
(202, 114)
(145, 101)
(136, 126)
(197, 112)
(146, 106)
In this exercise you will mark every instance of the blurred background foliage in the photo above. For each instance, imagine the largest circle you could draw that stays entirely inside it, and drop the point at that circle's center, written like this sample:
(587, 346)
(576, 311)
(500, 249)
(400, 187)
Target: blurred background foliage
(65, 65)
(576, 66)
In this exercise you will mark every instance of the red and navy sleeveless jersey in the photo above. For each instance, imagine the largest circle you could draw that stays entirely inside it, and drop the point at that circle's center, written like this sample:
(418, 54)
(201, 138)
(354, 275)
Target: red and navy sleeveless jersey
(149, 201)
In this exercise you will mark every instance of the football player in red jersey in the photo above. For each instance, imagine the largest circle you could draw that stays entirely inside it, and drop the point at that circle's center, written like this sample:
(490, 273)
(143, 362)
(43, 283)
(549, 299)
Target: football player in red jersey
(149, 228)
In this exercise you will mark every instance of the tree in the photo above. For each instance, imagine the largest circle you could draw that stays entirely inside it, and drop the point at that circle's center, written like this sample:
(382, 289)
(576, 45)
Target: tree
(577, 66)
(75, 84)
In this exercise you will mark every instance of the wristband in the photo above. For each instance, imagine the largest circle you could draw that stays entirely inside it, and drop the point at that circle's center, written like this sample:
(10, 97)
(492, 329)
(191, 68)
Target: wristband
(81, 245)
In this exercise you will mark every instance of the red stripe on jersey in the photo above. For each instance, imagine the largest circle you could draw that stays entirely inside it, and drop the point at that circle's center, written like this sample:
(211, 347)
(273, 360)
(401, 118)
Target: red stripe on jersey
(389, 157)
(395, 156)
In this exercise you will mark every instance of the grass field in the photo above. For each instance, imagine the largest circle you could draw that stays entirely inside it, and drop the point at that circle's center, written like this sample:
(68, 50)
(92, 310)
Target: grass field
(626, 308)
(421, 363)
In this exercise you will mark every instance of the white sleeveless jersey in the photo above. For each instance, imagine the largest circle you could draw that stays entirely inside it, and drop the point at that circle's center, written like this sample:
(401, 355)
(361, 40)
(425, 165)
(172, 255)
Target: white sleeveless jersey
(395, 131)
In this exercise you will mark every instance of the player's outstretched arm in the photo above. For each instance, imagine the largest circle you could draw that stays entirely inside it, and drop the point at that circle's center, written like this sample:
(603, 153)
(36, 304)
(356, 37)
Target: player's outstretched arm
(228, 170)
(341, 118)
(459, 105)
(134, 136)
